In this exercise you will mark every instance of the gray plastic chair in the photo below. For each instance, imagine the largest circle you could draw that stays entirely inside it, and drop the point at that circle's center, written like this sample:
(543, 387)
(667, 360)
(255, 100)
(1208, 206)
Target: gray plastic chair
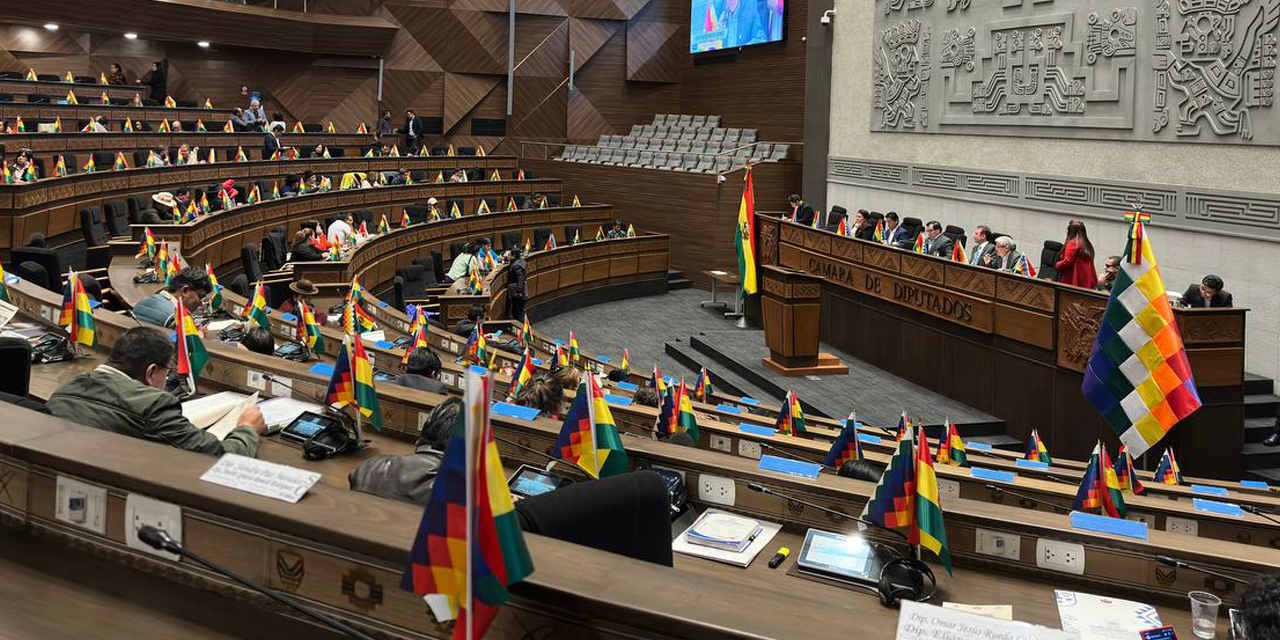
(658, 161)
(698, 122)
(779, 152)
(645, 159)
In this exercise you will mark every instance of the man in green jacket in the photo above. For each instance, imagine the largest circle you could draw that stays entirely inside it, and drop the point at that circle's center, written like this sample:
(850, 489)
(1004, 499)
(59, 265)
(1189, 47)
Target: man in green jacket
(126, 395)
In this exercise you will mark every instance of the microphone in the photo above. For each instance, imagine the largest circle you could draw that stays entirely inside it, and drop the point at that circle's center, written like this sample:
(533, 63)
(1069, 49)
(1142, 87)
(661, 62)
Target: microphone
(759, 488)
(1057, 508)
(1259, 512)
(160, 539)
(274, 380)
(791, 456)
(543, 455)
(1178, 564)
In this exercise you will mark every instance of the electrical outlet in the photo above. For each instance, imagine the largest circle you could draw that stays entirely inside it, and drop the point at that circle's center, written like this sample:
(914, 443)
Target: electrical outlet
(82, 505)
(281, 387)
(254, 380)
(721, 443)
(1185, 526)
(948, 488)
(998, 544)
(1060, 556)
(749, 449)
(716, 490)
(140, 511)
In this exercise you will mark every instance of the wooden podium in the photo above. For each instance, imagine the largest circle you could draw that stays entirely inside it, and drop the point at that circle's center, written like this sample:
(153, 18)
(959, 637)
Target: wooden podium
(791, 305)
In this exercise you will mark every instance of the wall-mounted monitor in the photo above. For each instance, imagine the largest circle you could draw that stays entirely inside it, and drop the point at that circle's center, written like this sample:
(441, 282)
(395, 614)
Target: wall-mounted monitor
(729, 24)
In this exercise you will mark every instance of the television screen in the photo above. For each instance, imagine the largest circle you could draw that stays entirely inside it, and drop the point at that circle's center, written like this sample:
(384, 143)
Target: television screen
(726, 24)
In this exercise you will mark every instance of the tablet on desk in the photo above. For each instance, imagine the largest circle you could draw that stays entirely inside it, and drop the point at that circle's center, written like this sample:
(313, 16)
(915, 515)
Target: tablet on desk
(531, 481)
(846, 558)
(307, 424)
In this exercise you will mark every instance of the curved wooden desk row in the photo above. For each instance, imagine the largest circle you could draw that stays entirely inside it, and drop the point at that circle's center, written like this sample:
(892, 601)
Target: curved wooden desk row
(115, 115)
(1112, 563)
(51, 144)
(1055, 486)
(82, 90)
(1005, 344)
(218, 238)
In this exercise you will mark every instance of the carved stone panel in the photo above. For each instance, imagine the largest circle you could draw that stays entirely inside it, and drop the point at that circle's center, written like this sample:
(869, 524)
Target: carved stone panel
(1078, 320)
(1163, 70)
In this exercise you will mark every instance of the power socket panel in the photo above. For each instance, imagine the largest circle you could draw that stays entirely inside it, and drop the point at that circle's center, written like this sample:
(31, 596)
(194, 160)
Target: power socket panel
(139, 511)
(717, 490)
(1185, 526)
(1061, 556)
(721, 443)
(998, 544)
(949, 488)
(749, 449)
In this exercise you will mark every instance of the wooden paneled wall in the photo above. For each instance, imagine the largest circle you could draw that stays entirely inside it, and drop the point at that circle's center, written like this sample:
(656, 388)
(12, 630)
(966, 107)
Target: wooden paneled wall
(449, 61)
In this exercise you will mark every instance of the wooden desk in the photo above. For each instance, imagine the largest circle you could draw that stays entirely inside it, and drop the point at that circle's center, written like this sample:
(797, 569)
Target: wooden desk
(86, 92)
(1005, 344)
(114, 114)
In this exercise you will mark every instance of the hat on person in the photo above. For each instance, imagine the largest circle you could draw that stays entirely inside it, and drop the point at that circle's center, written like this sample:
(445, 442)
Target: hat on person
(304, 287)
(432, 201)
(165, 198)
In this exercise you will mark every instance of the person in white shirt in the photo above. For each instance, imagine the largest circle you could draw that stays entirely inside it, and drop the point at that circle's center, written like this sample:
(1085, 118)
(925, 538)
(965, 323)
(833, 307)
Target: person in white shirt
(461, 264)
(983, 253)
(341, 231)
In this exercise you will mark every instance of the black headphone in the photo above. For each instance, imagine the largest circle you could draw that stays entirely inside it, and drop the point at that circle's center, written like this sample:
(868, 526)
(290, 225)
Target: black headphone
(903, 578)
(329, 442)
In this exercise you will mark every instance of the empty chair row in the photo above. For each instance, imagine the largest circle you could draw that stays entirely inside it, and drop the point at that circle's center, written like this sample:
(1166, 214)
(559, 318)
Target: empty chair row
(685, 120)
(690, 133)
(673, 144)
(676, 160)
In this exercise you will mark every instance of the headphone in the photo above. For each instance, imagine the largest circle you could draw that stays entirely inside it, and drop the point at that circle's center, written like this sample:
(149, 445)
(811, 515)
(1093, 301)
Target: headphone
(903, 578)
(334, 439)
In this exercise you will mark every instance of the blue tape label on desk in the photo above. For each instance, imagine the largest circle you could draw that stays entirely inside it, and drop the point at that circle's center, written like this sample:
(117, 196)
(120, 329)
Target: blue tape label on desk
(627, 386)
(384, 344)
(1208, 490)
(757, 430)
(991, 474)
(868, 438)
(1254, 484)
(536, 362)
(559, 342)
(94, 304)
(382, 303)
(790, 467)
(621, 401)
(748, 400)
(604, 359)
(1031, 464)
(514, 411)
(321, 369)
(977, 446)
(728, 408)
(1213, 506)
(288, 317)
(1114, 526)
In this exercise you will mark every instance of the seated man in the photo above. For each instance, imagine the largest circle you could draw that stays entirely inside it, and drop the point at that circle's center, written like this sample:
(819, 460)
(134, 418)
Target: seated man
(126, 396)
(422, 372)
(461, 265)
(475, 316)
(342, 229)
(801, 211)
(936, 244)
(1110, 269)
(617, 231)
(1208, 294)
(1006, 254)
(259, 340)
(190, 286)
(895, 235)
(410, 477)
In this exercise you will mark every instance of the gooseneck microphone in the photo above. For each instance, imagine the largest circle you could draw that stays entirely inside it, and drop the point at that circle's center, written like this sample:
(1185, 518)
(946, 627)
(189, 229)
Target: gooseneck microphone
(1259, 512)
(160, 539)
(1178, 564)
(1057, 508)
(759, 488)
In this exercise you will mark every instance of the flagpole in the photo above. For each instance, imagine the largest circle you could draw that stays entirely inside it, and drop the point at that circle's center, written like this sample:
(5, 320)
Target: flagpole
(470, 498)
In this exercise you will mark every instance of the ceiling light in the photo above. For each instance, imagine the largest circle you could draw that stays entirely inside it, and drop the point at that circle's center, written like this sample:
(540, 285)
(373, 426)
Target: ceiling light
(203, 44)
(131, 36)
(50, 26)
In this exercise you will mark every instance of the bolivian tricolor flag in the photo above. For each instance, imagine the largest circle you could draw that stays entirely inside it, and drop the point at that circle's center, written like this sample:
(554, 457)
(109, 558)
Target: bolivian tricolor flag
(454, 211)
(574, 354)
(71, 98)
(469, 547)
(703, 388)
(477, 352)
(362, 129)
(200, 126)
(417, 340)
(576, 202)
(240, 156)
(404, 218)
(105, 99)
(215, 298)
(495, 176)
(191, 355)
(258, 307)
(77, 313)
(439, 177)
(354, 318)
(164, 127)
(228, 127)
(60, 169)
(958, 253)
(523, 374)
(352, 381)
(551, 242)
(930, 527)
(511, 204)
(275, 189)
(170, 102)
(919, 245)
(482, 208)
(137, 100)
(31, 75)
(57, 124)
(384, 226)
(18, 126)
(599, 234)
(589, 437)
(88, 166)
(308, 329)
(951, 449)
(102, 78)
(686, 420)
(297, 127)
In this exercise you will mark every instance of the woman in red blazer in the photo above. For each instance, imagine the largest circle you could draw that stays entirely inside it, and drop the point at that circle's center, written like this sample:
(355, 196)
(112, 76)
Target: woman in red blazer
(1075, 267)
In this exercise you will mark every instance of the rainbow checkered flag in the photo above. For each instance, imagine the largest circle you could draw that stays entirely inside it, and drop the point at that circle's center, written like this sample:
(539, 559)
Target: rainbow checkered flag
(893, 503)
(1138, 376)
(589, 437)
(469, 547)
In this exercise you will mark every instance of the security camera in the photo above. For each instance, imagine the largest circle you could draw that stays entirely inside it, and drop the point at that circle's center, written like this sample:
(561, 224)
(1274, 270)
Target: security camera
(827, 16)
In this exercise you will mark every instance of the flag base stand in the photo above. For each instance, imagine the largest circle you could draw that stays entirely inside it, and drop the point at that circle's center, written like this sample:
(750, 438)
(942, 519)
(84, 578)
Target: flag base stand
(825, 365)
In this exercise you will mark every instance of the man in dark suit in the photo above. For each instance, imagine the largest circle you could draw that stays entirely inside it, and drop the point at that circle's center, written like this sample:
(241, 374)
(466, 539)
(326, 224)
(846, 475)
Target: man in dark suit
(936, 244)
(801, 212)
(984, 250)
(422, 372)
(271, 143)
(413, 130)
(1006, 254)
(1208, 294)
(894, 234)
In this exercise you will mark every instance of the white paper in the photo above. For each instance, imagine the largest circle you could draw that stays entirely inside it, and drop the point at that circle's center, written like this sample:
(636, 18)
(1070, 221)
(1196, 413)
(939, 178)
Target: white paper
(7, 312)
(278, 412)
(206, 410)
(269, 479)
(218, 325)
(1100, 618)
(998, 611)
(740, 558)
(371, 337)
(922, 621)
(227, 423)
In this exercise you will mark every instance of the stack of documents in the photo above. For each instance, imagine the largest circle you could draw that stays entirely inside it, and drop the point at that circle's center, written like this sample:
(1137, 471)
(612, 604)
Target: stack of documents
(720, 530)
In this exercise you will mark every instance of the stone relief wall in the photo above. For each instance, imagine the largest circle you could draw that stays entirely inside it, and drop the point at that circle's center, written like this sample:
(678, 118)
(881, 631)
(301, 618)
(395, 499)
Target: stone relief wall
(1160, 70)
